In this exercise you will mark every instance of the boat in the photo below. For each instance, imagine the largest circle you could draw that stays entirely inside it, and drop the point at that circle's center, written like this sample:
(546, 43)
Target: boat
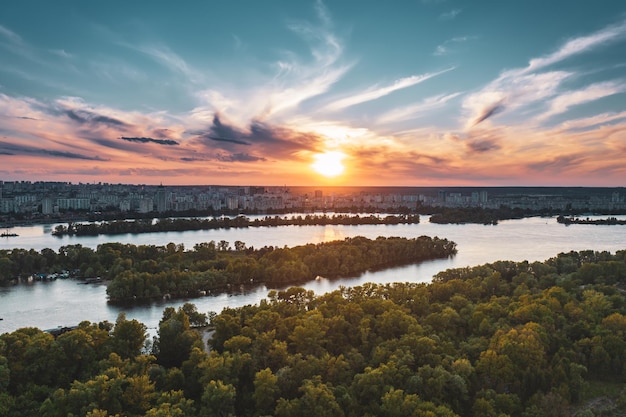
(8, 235)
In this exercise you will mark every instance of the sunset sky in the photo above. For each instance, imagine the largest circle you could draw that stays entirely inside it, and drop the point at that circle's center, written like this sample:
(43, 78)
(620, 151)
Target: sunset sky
(413, 93)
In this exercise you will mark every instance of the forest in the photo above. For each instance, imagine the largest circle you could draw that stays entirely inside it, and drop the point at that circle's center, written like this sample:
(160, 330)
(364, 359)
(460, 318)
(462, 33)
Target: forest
(183, 224)
(463, 215)
(514, 339)
(146, 272)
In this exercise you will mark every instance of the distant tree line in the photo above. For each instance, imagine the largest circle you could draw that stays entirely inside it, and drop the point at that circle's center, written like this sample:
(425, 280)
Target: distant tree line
(610, 221)
(462, 215)
(184, 224)
(502, 339)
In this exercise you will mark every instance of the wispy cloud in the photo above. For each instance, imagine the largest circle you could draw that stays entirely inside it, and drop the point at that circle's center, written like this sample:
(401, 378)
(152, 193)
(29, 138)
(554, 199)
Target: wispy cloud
(579, 45)
(563, 102)
(449, 15)
(169, 59)
(10, 35)
(61, 53)
(91, 118)
(14, 149)
(447, 47)
(376, 92)
(415, 110)
(519, 87)
(297, 78)
(588, 122)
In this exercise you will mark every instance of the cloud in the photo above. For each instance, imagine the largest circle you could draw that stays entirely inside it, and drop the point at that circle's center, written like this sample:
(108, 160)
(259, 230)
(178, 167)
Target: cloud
(483, 145)
(563, 102)
(61, 53)
(14, 149)
(148, 140)
(264, 138)
(169, 59)
(449, 15)
(295, 78)
(559, 163)
(223, 132)
(240, 157)
(588, 122)
(91, 118)
(10, 35)
(378, 92)
(235, 141)
(416, 110)
(489, 111)
(511, 92)
(448, 46)
(524, 86)
(579, 45)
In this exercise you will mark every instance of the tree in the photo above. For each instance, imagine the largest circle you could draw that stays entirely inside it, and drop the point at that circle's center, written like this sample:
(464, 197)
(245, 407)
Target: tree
(218, 399)
(175, 339)
(317, 400)
(129, 337)
(266, 392)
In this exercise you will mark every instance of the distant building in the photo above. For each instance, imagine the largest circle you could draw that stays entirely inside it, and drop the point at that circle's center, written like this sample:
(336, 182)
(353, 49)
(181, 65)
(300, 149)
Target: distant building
(124, 205)
(161, 199)
(73, 203)
(47, 206)
(145, 205)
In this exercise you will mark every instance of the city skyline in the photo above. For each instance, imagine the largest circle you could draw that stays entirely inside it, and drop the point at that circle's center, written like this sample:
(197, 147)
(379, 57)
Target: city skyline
(416, 93)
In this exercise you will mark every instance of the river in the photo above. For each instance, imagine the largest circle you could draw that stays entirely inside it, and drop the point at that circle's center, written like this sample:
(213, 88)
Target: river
(66, 302)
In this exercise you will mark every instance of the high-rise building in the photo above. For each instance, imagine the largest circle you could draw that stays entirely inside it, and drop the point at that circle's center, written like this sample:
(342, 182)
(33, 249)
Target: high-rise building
(47, 206)
(161, 199)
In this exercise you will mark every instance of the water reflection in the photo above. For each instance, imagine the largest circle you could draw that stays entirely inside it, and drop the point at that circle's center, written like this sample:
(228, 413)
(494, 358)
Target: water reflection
(65, 303)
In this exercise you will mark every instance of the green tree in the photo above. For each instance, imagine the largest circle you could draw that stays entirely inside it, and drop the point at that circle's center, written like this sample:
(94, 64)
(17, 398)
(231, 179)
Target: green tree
(129, 337)
(218, 399)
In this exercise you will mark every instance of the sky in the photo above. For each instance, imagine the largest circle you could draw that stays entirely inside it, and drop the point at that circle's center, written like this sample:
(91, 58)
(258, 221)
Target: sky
(343, 92)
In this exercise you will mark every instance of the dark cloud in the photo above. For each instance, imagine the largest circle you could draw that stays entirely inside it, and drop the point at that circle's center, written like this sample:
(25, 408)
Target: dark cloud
(169, 142)
(215, 138)
(266, 139)
(13, 149)
(483, 145)
(85, 117)
(240, 157)
(191, 159)
(221, 130)
(26, 118)
(489, 111)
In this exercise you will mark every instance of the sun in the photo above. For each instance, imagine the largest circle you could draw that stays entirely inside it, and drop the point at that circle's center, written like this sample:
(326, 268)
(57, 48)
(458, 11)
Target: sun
(329, 164)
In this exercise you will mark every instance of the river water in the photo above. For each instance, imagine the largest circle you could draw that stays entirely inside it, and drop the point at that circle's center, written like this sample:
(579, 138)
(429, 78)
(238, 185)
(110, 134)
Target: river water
(66, 302)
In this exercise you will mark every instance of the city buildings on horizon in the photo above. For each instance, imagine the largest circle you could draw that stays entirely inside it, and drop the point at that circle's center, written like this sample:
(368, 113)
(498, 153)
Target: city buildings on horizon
(53, 198)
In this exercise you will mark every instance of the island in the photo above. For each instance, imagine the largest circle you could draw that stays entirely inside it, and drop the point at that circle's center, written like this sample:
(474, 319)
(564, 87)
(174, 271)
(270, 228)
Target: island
(185, 224)
(147, 272)
(610, 221)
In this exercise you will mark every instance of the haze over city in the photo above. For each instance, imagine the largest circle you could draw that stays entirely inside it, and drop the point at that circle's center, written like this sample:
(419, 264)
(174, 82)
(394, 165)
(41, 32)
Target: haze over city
(407, 93)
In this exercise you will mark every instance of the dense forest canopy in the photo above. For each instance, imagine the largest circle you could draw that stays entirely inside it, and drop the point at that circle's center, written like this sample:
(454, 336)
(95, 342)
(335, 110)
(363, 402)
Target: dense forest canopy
(146, 271)
(502, 339)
